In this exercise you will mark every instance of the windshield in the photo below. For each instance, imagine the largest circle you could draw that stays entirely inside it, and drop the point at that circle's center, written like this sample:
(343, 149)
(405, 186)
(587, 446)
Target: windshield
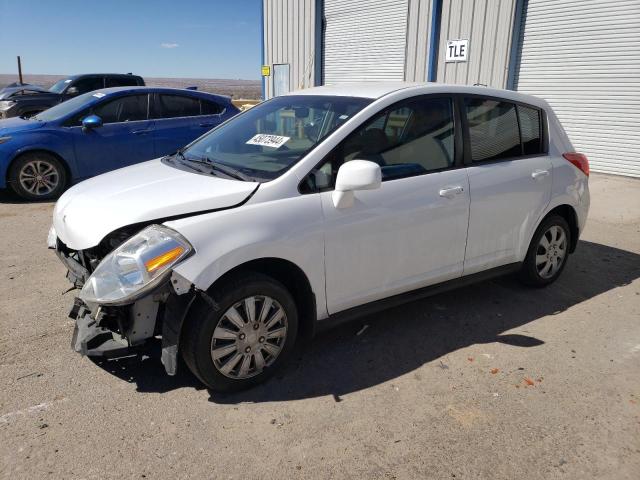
(63, 109)
(60, 85)
(267, 140)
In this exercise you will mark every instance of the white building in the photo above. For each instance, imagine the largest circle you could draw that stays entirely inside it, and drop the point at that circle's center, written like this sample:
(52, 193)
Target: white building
(583, 56)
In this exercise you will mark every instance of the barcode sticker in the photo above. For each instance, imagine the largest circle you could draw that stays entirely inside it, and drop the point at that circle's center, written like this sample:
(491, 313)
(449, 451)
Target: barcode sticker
(264, 140)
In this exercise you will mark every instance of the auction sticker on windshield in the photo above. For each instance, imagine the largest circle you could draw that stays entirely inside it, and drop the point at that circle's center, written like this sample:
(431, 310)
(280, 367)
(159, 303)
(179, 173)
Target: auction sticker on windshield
(264, 140)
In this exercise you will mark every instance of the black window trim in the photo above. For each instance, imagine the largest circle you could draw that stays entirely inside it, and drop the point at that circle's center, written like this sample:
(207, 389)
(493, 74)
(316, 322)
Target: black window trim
(75, 81)
(71, 123)
(544, 137)
(223, 108)
(458, 141)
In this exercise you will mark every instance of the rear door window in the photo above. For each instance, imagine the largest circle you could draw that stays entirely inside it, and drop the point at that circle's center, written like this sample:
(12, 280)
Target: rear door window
(175, 106)
(493, 129)
(124, 109)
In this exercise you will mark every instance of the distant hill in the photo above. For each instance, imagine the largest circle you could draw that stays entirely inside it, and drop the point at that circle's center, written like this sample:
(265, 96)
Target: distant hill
(246, 89)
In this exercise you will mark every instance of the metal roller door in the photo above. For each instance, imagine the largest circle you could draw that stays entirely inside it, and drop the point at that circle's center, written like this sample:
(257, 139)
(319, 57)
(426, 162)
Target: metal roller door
(583, 57)
(364, 40)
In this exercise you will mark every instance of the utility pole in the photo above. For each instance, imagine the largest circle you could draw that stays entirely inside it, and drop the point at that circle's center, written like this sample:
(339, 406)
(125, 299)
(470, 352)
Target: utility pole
(20, 70)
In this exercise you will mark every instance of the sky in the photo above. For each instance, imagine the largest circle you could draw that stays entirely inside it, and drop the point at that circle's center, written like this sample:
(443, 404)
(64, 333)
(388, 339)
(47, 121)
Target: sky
(153, 38)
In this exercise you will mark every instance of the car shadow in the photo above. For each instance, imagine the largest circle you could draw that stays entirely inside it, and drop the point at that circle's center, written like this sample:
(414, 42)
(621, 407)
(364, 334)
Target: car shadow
(8, 197)
(399, 340)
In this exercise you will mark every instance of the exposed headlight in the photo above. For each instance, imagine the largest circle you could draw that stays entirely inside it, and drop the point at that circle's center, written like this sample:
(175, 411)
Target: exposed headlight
(135, 267)
(6, 104)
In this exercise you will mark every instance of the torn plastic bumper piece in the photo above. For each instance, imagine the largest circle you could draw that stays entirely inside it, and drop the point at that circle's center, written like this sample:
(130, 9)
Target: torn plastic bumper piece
(93, 340)
(175, 312)
(128, 328)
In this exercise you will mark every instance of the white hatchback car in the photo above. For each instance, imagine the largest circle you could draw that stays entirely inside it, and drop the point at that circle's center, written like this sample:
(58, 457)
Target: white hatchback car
(315, 206)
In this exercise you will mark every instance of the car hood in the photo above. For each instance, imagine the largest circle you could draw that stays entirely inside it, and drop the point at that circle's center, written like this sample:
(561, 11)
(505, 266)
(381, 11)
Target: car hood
(17, 124)
(145, 192)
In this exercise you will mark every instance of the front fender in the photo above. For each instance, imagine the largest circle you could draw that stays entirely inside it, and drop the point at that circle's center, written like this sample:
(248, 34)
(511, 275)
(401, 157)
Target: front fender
(288, 229)
(56, 143)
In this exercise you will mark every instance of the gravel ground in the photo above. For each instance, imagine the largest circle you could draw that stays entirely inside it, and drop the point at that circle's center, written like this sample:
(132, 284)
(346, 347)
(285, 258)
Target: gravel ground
(490, 381)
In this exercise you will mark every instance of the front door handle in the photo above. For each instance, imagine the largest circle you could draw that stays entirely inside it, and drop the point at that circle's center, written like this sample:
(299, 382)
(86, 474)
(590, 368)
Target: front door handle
(141, 132)
(539, 174)
(450, 192)
(206, 125)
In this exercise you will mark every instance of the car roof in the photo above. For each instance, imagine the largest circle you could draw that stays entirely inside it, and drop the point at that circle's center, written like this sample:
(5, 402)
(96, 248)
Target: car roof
(180, 91)
(78, 75)
(376, 90)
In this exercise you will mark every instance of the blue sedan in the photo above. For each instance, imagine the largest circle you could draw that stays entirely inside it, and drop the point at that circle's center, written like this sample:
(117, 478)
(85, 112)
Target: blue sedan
(101, 131)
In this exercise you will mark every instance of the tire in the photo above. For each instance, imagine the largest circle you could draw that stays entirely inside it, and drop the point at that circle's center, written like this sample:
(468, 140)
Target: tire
(225, 349)
(37, 176)
(548, 253)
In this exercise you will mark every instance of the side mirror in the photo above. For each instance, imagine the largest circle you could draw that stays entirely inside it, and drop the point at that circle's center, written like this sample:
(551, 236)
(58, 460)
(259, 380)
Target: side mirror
(92, 121)
(352, 176)
(71, 92)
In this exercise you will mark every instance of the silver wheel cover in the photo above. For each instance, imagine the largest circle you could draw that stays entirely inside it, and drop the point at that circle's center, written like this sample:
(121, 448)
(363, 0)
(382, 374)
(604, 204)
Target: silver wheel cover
(551, 252)
(249, 337)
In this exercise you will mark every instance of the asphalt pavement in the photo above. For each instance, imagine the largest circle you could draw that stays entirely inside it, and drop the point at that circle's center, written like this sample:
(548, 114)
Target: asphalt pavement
(492, 381)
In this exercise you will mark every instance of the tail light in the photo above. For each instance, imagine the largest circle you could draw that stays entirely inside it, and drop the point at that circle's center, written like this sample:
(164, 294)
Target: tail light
(579, 160)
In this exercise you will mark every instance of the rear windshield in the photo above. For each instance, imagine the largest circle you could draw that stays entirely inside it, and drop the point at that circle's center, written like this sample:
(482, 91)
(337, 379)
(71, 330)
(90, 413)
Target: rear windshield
(270, 138)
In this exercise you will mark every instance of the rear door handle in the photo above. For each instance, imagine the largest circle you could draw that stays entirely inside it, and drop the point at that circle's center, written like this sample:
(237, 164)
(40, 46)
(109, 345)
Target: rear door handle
(539, 174)
(206, 125)
(450, 192)
(141, 132)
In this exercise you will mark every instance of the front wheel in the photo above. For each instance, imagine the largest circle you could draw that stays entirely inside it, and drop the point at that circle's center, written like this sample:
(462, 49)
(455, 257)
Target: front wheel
(548, 252)
(246, 339)
(37, 176)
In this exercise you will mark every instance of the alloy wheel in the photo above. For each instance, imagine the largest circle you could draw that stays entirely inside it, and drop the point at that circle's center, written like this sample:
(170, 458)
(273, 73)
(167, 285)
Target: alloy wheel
(249, 337)
(39, 177)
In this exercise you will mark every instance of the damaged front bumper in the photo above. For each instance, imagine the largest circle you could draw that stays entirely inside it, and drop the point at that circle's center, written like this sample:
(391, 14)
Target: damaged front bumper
(117, 331)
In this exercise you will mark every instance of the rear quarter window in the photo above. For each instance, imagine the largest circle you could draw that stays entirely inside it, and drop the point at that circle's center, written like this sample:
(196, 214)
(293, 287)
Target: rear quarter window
(210, 108)
(530, 129)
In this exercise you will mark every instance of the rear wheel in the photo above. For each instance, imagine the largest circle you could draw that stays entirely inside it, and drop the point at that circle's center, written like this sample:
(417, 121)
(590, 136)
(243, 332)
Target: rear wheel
(548, 252)
(246, 339)
(37, 176)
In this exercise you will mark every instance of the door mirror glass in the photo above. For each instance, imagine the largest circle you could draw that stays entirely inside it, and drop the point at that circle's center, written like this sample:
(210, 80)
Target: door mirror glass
(92, 121)
(355, 175)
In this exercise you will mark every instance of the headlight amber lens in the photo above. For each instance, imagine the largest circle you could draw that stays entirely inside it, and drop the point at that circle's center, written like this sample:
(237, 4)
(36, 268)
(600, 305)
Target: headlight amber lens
(163, 259)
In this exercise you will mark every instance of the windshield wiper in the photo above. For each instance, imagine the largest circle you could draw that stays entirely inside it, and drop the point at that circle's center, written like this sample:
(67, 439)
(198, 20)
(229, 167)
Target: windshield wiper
(228, 171)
